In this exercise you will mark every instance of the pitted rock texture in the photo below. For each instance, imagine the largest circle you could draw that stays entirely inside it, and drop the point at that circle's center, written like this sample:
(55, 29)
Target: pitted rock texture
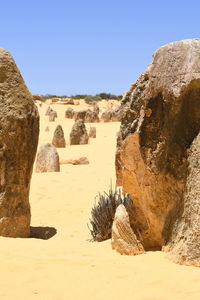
(80, 115)
(91, 116)
(19, 130)
(79, 135)
(160, 120)
(47, 159)
(123, 238)
(59, 138)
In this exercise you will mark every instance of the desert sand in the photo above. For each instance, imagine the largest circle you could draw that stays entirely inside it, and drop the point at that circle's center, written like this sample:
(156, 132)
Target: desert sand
(68, 265)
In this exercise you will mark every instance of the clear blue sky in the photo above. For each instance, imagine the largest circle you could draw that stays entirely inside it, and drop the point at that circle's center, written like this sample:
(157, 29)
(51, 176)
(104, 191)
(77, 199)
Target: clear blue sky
(91, 46)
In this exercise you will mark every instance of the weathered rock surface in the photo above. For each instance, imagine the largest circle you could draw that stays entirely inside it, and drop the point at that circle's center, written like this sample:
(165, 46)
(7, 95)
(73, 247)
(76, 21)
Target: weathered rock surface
(91, 116)
(185, 242)
(47, 159)
(69, 113)
(80, 115)
(92, 132)
(75, 161)
(111, 115)
(19, 129)
(59, 137)
(123, 239)
(78, 135)
(154, 162)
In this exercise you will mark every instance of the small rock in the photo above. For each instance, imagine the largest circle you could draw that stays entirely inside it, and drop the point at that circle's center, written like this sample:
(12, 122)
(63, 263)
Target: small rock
(92, 132)
(123, 239)
(59, 138)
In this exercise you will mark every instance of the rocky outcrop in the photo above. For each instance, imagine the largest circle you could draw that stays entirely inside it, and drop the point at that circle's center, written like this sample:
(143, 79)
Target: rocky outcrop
(59, 138)
(69, 113)
(47, 159)
(78, 135)
(92, 132)
(19, 129)
(123, 238)
(155, 161)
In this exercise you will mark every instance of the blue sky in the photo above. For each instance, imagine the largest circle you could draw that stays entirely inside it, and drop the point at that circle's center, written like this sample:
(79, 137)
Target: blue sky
(71, 47)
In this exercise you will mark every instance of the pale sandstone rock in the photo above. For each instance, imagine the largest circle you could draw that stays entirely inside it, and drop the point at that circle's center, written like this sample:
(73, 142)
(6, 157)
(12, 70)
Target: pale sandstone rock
(161, 118)
(18, 143)
(47, 159)
(123, 239)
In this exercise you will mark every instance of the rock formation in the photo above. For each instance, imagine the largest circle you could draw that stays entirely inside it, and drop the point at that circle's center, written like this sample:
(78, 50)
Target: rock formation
(47, 159)
(19, 129)
(157, 160)
(59, 138)
(111, 115)
(80, 115)
(92, 132)
(91, 116)
(69, 113)
(123, 239)
(78, 135)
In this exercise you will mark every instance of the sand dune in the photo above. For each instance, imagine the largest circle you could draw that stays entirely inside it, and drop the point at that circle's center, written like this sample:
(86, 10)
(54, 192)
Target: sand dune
(68, 266)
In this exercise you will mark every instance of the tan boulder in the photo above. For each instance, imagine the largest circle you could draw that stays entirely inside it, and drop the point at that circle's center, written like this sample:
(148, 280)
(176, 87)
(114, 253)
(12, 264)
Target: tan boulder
(59, 138)
(78, 134)
(19, 132)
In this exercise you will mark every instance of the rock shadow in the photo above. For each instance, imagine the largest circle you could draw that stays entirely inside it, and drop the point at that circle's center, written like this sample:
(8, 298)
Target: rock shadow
(43, 233)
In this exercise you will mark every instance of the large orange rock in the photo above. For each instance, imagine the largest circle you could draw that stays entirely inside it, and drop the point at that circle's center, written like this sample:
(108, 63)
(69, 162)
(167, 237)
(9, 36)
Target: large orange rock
(160, 120)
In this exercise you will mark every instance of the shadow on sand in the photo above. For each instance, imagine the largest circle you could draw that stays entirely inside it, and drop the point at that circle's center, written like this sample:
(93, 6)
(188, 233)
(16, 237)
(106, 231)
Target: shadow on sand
(43, 233)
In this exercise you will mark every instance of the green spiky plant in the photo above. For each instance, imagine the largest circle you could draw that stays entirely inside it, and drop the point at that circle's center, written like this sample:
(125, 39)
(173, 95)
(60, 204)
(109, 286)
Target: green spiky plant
(103, 212)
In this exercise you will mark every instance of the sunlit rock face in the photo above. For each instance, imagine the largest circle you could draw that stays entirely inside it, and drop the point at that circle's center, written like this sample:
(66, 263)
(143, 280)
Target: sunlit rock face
(19, 129)
(160, 120)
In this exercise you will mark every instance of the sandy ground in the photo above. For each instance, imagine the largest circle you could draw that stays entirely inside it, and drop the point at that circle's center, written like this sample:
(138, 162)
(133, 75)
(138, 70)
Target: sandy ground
(68, 266)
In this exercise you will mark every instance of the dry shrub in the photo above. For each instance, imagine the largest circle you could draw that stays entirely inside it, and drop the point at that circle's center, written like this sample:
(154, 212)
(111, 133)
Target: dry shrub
(103, 212)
